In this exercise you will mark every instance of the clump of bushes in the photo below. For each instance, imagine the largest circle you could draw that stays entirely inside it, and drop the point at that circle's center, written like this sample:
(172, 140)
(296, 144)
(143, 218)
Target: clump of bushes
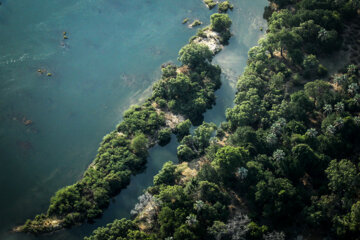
(191, 91)
(221, 23)
(164, 136)
(225, 6)
(210, 3)
(195, 23)
(185, 20)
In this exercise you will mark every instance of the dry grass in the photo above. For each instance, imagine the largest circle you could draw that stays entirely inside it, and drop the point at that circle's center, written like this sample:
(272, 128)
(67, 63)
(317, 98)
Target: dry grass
(184, 69)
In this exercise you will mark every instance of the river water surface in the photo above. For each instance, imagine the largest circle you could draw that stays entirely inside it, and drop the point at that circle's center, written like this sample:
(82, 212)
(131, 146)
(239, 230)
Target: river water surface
(51, 125)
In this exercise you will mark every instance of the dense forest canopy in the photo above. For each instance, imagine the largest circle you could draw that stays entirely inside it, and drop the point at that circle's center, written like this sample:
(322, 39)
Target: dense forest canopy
(286, 162)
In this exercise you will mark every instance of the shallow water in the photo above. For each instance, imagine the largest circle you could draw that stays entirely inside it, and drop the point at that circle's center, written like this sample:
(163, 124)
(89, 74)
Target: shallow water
(112, 57)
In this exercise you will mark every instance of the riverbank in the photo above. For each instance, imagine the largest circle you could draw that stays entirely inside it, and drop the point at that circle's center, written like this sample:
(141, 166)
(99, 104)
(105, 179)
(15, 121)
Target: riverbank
(123, 152)
(269, 172)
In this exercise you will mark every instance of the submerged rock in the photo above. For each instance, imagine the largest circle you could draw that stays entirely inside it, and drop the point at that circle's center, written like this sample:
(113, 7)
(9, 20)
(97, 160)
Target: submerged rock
(26, 121)
(41, 71)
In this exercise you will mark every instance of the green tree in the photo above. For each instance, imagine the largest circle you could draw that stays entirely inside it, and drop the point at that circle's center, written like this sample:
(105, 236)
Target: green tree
(300, 105)
(246, 137)
(220, 22)
(284, 40)
(218, 231)
(184, 233)
(311, 65)
(182, 129)
(185, 153)
(195, 55)
(328, 39)
(139, 144)
(208, 173)
(343, 177)
(113, 231)
(167, 221)
(210, 3)
(62, 202)
(304, 159)
(178, 87)
(202, 135)
(166, 175)
(225, 6)
(355, 217)
(276, 197)
(320, 92)
(228, 159)
(164, 136)
(168, 71)
(248, 112)
(137, 235)
(256, 231)
(211, 192)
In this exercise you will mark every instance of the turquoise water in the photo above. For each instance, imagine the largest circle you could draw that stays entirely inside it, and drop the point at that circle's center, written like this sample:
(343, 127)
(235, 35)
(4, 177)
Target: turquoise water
(110, 60)
(247, 21)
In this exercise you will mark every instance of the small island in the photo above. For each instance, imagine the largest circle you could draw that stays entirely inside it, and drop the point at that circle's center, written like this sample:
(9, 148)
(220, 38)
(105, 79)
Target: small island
(225, 6)
(186, 20)
(195, 23)
(210, 3)
(285, 164)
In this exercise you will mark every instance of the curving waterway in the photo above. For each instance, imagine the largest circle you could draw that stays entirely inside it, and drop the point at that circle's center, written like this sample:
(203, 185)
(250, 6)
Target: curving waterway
(51, 126)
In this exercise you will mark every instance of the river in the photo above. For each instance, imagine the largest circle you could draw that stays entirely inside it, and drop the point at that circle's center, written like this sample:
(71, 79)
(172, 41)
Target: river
(51, 126)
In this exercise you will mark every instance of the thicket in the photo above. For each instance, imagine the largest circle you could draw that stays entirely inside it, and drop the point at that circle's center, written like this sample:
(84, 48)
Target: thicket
(190, 89)
(122, 153)
(291, 141)
(300, 126)
(210, 3)
(225, 6)
(219, 23)
(187, 90)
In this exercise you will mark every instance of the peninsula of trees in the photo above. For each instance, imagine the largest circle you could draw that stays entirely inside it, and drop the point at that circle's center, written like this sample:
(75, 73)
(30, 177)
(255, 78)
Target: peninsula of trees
(286, 163)
(182, 93)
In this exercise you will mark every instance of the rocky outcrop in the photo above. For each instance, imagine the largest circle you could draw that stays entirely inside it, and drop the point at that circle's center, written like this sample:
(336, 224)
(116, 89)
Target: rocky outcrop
(211, 39)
